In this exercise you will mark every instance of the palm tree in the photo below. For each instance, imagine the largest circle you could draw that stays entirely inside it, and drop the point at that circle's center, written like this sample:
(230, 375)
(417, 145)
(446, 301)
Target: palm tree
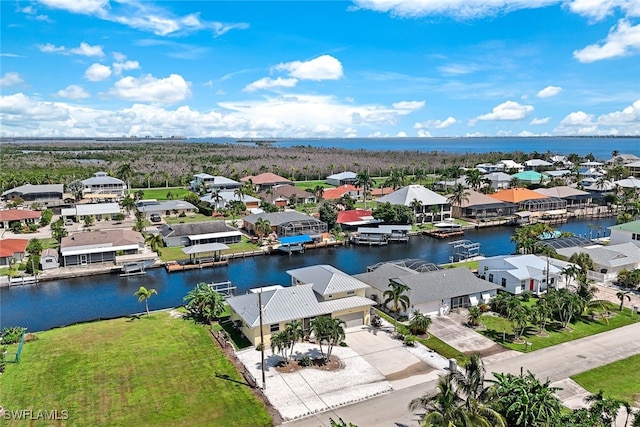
(125, 172)
(128, 204)
(205, 302)
(474, 179)
(515, 182)
(262, 227)
(295, 333)
(582, 260)
(329, 330)
(216, 198)
(318, 191)
(363, 179)
(416, 205)
(396, 295)
(621, 295)
(458, 196)
(419, 323)
(473, 317)
(281, 342)
(155, 242)
(144, 294)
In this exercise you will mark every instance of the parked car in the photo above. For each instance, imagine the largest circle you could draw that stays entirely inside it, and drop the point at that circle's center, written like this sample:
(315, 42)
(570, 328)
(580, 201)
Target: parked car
(155, 218)
(68, 222)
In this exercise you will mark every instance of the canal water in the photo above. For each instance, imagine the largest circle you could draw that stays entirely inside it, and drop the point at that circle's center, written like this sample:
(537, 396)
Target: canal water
(58, 303)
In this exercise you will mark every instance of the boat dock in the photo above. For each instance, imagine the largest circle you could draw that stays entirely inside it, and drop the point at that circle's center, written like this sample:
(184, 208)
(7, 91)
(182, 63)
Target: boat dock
(173, 266)
(443, 234)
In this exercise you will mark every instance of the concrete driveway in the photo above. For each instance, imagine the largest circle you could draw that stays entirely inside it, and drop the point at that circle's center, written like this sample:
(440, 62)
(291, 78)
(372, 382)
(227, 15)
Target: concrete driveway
(451, 330)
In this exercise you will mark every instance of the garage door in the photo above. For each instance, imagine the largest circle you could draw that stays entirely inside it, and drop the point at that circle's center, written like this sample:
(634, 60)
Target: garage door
(353, 319)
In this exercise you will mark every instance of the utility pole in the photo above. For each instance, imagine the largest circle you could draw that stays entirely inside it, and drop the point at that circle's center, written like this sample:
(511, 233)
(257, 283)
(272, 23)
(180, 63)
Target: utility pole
(264, 383)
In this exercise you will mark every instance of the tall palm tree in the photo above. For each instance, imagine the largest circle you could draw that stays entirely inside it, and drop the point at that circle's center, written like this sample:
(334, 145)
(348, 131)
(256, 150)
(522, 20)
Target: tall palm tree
(216, 198)
(205, 302)
(621, 295)
(262, 227)
(125, 172)
(474, 179)
(458, 196)
(155, 242)
(416, 205)
(144, 294)
(396, 294)
(294, 333)
(363, 179)
(329, 330)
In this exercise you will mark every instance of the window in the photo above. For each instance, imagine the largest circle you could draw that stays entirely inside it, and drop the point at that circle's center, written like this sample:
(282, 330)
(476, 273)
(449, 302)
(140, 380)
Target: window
(491, 277)
(351, 292)
(504, 282)
(552, 280)
(274, 328)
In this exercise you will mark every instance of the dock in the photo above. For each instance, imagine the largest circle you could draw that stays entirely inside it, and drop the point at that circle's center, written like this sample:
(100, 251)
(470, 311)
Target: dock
(173, 266)
(443, 234)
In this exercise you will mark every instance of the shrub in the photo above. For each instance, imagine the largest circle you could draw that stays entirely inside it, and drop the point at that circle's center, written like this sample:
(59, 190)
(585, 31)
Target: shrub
(182, 215)
(410, 340)
(305, 361)
(12, 335)
(118, 216)
(376, 322)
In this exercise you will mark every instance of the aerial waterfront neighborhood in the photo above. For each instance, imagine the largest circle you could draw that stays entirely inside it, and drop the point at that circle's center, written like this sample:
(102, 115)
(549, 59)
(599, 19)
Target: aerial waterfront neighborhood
(474, 305)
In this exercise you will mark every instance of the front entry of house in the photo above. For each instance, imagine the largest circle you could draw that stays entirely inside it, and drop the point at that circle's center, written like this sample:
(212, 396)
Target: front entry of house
(457, 302)
(83, 259)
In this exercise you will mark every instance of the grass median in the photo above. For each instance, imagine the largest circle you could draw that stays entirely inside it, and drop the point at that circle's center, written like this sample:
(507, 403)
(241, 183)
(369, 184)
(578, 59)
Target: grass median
(155, 370)
(619, 380)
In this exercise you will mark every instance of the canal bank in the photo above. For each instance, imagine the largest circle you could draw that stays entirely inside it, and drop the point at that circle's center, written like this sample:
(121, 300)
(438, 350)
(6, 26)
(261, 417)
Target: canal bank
(66, 301)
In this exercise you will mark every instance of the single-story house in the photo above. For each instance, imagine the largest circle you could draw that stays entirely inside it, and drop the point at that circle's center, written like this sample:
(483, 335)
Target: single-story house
(574, 197)
(265, 180)
(342, 178)
(102, 183)
(166, 208)
(498, 180)
(529, 177)
(378, 279)
(338, 192)
(480, 206)
(529, 200)
(49, 259)
(511, 166)
(23, 216)
(12, 250)
(437, 292)
(91, 247)
(316, 291)
(489, 167)
(211, 182)
(449, 184)
(519, 273)
(221, 199)
(199, 233)
(282, 195)
(356, 218)
(48, 194)
(288, 223)
(431, 204)
(98, 211)
(625, 233)
(536, 164)
(630, 182)
(609, 260)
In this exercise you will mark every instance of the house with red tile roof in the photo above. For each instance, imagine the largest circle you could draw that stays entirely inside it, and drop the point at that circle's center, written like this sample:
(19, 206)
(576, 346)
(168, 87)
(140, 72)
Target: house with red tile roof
(356, 218)
(531, 201)
(24, 216)
(12, 249)
(265, 180)
(338, 192)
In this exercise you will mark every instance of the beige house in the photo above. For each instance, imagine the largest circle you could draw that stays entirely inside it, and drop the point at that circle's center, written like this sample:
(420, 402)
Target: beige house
(320, 290)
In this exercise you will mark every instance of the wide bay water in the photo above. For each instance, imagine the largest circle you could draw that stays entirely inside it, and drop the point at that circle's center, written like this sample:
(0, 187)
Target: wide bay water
(63, 302)
(601, 148)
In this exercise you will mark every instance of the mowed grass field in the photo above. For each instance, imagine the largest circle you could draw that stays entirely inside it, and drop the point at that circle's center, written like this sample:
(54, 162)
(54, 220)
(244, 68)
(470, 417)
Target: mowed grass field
(151, 371)
(620, 380)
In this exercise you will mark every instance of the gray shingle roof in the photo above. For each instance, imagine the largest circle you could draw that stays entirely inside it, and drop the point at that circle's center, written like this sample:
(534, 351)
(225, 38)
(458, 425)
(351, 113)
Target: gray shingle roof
(34, 189)
(327, 279)
(622, 255)
(443, 284)
(277, 218)
(379, 278)
(193, 229)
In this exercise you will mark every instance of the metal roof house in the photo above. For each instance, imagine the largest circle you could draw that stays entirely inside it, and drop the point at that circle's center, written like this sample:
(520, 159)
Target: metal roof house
(427, 198)
(519, 273)
(316, 291)
(609, 260)
(102, 183)
(211, 182)
(167, 208)
(625, 233)
(342, 178)
(95, 210)
(225, 197)
(48, 194)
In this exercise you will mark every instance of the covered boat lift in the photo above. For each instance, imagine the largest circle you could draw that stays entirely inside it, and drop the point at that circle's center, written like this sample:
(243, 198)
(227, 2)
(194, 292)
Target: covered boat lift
(212, 251)
(294, 243)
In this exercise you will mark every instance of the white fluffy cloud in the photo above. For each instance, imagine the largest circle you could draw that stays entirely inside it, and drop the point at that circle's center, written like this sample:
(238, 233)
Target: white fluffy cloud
(118, 67)
(78, 6)
(97, 72)
(436, 124)
(73, 92)
(10, 78)
(542, 121)
(324, 67)
(20, 110)
(147, 88)
(509, 110)
(269, 83)
(84, 49)
(549, 91)
(409, 105)
(623, 39)
(598, 9)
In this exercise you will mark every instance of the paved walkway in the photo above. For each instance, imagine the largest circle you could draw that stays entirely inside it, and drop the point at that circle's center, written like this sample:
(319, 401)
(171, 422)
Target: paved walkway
(556, 363)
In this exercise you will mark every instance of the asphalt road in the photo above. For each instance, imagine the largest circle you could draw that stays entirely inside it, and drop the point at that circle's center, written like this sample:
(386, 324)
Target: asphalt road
(553, 363)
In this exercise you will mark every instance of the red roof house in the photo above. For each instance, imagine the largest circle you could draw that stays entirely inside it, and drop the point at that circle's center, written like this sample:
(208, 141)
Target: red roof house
(22, 215)
(12, 249)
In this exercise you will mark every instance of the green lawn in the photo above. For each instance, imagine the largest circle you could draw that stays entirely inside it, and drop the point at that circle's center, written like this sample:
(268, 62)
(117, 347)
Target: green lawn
(189, 219)
(496, 326)
(161, 193)
(175, 253)
(155, 371)
(619, 380)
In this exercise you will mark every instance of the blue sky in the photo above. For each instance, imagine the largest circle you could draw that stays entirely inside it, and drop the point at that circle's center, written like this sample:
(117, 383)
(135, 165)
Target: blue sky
(320, 68)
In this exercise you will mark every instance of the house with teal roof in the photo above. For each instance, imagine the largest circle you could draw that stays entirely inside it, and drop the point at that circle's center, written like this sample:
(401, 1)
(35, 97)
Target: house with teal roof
(529, 177)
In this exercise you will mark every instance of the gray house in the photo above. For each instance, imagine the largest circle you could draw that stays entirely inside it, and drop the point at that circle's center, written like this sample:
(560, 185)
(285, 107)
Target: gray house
(199, 233)
(102, 246)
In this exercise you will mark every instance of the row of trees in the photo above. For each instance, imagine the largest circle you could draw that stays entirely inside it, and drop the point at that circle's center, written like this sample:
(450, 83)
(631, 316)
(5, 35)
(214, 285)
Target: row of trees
(468, 398)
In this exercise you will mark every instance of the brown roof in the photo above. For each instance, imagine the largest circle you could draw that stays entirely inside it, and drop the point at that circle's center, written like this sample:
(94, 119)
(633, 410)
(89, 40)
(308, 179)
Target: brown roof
(475, 198)
(517, 195)
(336, 193)
(376, 192)
(115, 237)
(265, 178)
(19, 214)
(9, 247)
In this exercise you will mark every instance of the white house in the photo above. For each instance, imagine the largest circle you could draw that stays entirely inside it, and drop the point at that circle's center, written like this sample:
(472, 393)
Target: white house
(211, 182)
(519, 273)
(431, 203)
(102, 183)
(608, 260)
(625, 233)
(511, 166)
(342, 178)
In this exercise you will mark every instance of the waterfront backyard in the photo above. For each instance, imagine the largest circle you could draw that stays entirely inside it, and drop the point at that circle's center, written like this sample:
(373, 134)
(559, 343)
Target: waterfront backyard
(164, 370)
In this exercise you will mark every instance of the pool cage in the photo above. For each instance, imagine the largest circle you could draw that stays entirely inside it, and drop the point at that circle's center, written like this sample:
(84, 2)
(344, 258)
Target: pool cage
(311, 226)
(419, 265)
